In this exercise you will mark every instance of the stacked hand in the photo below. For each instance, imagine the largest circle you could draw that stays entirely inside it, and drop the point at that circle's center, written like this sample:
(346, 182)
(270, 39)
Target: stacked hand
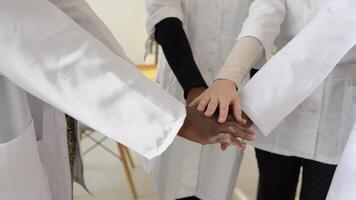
(206, 129)
(223, 95)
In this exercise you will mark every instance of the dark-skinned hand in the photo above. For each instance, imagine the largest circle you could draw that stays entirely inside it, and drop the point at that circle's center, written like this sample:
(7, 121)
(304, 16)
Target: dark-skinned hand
(194, 93)
(247, 125)
(207, 130)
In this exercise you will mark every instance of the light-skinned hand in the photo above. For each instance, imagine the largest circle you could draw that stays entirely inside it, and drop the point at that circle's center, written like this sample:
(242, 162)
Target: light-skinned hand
(222, 95)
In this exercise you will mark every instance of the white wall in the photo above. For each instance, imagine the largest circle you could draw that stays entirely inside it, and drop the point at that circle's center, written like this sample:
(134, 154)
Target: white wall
(126, 19)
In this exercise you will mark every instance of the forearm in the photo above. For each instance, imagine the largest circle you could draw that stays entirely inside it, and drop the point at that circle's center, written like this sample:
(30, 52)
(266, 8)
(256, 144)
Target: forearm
(245, 54)
(169, 33)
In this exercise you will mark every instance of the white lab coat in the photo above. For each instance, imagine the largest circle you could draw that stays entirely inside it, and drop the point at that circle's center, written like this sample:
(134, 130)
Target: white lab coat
(186, 168)
(289, 92)
(307, 131)
(22, 175)
(44, 52)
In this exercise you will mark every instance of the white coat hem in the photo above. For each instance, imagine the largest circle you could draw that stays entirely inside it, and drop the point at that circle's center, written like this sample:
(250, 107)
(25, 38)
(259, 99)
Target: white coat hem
(286, 152)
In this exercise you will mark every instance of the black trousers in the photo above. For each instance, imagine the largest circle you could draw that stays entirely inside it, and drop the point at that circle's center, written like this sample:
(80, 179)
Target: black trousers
(279, 177)
(189, 198)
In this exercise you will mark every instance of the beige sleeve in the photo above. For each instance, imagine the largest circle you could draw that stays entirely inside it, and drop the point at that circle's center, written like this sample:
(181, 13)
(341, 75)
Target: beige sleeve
(245, 54)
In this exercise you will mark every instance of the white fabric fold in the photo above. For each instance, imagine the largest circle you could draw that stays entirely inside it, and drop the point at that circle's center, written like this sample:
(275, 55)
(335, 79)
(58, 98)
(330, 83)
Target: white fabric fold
(159, 10)
(299, 68)
(46, 53)
(264, 22)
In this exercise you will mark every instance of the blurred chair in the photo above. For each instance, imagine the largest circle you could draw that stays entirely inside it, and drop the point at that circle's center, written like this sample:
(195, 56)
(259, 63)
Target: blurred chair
(126, 159)
(123, 155)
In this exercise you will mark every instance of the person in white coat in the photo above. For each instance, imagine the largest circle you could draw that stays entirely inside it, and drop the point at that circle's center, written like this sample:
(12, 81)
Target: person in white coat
(309, 43)
(337, 21)
(195, 37)
(69, 66)
(306, 137)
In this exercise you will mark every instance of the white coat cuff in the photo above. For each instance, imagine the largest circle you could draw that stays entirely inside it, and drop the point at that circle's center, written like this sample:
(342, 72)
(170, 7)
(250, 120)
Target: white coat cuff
(160, 15)
(172, 131)
(265, 126)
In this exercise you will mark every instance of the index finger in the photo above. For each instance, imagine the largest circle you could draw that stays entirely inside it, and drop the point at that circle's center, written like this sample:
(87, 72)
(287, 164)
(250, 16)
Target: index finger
(223, 110)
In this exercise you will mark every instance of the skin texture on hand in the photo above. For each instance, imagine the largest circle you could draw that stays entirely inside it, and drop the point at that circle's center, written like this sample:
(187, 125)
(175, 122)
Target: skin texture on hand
(223, 95)
(206, 130)
(247, 125)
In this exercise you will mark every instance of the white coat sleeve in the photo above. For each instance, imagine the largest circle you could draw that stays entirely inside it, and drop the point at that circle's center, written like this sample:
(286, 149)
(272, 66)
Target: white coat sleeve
(47, 54)
(299, 68)
(264, 22)
(157, 10)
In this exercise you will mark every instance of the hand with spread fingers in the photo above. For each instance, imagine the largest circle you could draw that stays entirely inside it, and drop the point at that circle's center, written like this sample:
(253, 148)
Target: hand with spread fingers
(206, 130)
(221, 95)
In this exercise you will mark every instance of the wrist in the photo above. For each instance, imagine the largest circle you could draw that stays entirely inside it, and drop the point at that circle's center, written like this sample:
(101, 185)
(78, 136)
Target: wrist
(227, 82)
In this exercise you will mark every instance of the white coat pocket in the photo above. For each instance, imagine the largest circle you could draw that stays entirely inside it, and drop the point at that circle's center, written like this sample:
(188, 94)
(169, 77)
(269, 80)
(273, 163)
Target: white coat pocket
(21, 172)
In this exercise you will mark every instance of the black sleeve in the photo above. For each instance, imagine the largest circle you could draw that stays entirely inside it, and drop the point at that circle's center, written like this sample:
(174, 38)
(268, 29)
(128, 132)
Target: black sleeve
(169, 33)
(253, 72)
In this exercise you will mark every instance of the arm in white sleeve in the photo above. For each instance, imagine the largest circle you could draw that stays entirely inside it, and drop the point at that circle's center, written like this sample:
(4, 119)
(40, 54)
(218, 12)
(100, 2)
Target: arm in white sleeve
(299, 68)
(264, 22)
(158, 10)
(245, 54)
(81, 13)
(47, 54)
(257, 36)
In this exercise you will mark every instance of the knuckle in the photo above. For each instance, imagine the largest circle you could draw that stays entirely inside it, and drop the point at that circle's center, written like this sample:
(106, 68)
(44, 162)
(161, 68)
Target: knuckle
(224, 107)
(203, 101)
(201, 104)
